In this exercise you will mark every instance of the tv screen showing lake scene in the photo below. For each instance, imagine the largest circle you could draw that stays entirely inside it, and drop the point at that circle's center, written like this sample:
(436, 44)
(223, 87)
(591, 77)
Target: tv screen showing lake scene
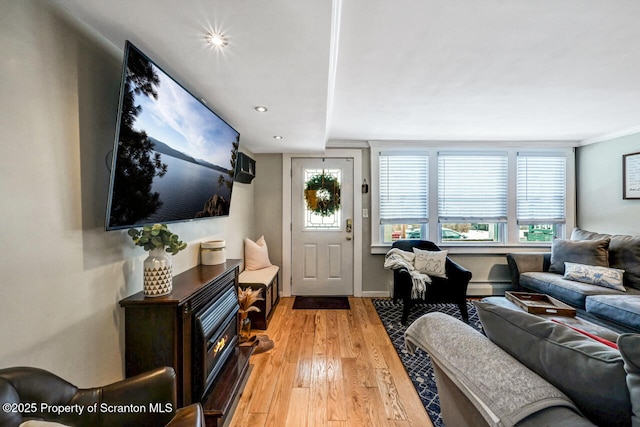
(174, 159)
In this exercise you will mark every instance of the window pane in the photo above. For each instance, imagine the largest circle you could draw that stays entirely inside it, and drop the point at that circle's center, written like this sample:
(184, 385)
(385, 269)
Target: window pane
(404, 188)
(537, 232)
(313, 220)
(472, 186)
(470, 232)
(541, 189)
(393, 232)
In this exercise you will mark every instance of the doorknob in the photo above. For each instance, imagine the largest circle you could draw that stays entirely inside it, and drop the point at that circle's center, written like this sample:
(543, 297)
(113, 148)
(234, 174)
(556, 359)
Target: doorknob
(348, 237)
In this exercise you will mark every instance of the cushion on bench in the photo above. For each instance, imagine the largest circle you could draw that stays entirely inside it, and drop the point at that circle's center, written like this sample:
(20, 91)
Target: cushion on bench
(264, 276)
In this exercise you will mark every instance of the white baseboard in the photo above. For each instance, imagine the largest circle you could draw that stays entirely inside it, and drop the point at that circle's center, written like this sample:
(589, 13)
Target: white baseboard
(479, 289)
(375, 294)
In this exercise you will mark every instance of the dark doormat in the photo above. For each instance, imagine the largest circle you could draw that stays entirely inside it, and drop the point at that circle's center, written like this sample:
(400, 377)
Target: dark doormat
(321, 303)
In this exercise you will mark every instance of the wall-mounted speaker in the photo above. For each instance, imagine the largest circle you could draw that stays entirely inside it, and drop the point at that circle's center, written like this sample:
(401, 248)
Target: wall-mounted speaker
(245, 168)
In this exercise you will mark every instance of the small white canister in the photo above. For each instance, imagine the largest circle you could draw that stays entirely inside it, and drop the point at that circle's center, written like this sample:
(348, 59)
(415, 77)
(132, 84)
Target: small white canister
(213, 252)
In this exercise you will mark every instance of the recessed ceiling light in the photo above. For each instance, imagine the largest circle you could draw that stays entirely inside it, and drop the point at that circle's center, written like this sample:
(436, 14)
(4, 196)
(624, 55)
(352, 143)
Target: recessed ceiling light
(278, 137)
(217, 40)
(261, 109)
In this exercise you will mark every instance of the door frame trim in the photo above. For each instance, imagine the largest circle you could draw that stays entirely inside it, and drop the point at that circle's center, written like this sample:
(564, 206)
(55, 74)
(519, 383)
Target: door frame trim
(356, 155)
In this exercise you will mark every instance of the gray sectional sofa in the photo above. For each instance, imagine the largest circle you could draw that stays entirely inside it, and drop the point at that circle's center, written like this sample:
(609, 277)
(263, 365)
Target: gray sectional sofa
(528, 371)
(615, 305)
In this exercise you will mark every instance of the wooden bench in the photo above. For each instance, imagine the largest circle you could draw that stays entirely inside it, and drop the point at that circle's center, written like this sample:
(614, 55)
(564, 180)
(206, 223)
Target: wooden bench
(267, 280)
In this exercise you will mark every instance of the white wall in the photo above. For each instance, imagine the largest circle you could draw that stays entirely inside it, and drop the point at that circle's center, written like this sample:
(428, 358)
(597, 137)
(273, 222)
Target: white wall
(599, 175)
(61, 274)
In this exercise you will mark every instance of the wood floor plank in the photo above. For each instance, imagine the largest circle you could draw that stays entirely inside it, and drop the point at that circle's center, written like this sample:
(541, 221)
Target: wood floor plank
(263, 388)
(372, 347)
(353, 393)
(319, 391)
(390, 398)
(336, 397)
(305, 361)
(279, 409)
(374, 408)
(320, 339)
(299, 408)
(242, 413)
(294, 343)
(334, 368)
(346, 325)
(410, 400)
(372, 314)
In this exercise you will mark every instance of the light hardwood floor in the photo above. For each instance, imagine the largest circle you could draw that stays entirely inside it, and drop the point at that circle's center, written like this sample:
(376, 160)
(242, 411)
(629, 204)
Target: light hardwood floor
(333, 368)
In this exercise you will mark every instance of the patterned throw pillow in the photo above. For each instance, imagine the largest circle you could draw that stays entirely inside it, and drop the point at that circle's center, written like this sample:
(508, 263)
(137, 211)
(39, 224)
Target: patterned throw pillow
(431, 263)
(594, 275)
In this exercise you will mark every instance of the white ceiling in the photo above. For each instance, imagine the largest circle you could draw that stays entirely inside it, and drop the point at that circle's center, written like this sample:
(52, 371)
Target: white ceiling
(342, 70)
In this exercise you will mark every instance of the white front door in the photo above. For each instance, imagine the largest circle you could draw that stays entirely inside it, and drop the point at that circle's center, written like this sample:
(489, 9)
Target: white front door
(321, 243)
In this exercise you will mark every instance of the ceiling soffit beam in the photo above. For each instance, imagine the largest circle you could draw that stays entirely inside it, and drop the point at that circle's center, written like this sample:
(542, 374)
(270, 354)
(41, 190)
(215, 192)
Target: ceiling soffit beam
(336, 11)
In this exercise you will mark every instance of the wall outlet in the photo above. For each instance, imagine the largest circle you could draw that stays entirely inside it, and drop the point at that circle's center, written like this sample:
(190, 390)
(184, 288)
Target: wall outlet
(365, 213)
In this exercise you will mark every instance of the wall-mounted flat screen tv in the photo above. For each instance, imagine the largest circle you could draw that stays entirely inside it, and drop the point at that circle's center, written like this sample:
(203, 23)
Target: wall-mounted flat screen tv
(173, 158)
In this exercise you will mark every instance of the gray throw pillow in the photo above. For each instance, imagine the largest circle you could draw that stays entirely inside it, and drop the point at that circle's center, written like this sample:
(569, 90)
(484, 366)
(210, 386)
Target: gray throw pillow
(588, 252)
(591, 374)
(624, 253)
(629, 345)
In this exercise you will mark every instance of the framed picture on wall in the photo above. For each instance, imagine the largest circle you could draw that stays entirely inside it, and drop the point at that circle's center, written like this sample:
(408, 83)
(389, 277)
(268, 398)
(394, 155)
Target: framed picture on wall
(631, 176)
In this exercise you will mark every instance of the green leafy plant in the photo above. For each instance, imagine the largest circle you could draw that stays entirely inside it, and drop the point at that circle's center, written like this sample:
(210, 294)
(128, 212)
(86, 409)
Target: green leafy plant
(157, 236)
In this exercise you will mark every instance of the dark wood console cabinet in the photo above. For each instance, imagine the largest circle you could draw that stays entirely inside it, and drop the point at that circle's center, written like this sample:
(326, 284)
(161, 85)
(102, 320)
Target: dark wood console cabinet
(162, 331)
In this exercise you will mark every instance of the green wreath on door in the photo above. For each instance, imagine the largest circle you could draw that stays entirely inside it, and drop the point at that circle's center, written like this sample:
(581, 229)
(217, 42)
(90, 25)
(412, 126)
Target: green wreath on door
(322, 194)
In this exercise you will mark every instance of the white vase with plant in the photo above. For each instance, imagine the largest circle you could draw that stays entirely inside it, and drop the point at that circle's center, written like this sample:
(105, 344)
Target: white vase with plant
(158, 240)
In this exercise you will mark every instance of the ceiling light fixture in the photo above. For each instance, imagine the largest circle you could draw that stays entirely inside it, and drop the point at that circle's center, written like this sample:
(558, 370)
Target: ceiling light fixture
(217, 40)
(261, 109)
(278, 137)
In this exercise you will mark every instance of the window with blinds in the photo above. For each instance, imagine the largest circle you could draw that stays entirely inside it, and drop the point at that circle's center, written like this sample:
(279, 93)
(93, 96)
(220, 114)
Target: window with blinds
(472, 187)
(541, 196)
(485, 196)
(404, 188)
(541, 189)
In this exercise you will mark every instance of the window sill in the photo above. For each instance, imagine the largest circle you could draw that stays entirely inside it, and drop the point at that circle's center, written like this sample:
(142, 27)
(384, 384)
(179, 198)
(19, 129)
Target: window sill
(481, 249)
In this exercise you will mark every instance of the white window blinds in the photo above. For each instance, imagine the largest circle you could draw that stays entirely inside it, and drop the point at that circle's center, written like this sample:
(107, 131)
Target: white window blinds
(472, 187)
(541, 189)
(404, 188)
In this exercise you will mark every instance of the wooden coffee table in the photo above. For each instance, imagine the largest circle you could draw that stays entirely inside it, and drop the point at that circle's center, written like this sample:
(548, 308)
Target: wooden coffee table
(572, 321)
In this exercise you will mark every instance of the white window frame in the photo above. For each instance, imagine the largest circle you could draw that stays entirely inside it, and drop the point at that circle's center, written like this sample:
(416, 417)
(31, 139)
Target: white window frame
(509, 233)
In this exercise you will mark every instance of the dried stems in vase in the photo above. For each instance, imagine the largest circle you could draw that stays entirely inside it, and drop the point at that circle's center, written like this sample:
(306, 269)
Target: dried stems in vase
(247, 297)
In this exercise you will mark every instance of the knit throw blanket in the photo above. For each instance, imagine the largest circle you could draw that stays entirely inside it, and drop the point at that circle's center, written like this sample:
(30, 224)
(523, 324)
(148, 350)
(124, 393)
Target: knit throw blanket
(397, 258)
(503, 390)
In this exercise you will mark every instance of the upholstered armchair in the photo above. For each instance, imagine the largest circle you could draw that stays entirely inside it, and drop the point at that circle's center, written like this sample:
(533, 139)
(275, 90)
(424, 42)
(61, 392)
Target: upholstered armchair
(148, 399)
(453, 289)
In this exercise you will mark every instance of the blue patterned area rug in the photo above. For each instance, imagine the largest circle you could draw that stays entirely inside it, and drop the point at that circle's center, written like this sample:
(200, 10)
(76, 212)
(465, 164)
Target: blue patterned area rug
(418, 365)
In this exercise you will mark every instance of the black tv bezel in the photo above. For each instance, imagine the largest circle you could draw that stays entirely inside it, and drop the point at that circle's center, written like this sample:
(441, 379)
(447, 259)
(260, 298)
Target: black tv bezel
(123, 76)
